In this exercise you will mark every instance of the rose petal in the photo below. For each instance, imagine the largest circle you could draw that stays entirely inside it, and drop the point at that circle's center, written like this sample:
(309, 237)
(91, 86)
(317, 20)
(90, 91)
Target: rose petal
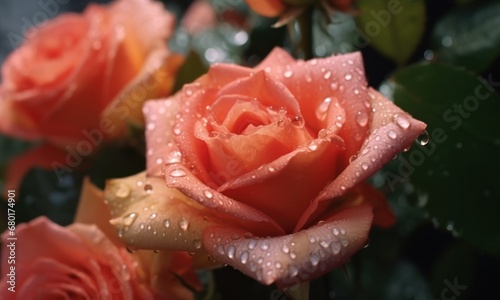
(93, 211)
(392, 130)
(149, 215)
(160, 118)
(178, 177)
(155, 80)
(261, 187)
(316, 82)
(44, 156)
(291, 259)
(268, 8)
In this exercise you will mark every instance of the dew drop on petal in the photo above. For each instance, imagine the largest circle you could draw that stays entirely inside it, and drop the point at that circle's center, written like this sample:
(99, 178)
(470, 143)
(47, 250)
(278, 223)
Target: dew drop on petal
(392, 134)
(208, 194)
(183, 224)
(152, 216)
(252, 244)
(423, 138)
(336, 247)
(177, 173)
(322, 109)
(166, 223)
(285, 249)
(348, 76)
(122, 191)
(362, 119)
(197, 244)
(129, 219)
(264, 246)
(327, 75)
(230, 251)
(293, 271)
(288, 73)
(335, 231)
(314, 259)
(401, 121)
(244, 257)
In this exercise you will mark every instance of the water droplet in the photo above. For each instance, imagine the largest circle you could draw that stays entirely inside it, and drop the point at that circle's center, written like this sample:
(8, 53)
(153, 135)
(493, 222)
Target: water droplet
(177, 130)
(334, 86)
(122, 191)
(324, 244)
(392, 134)
(335, 246)
(344, 242)
(285, 249)
(277, 265)
(314, 259)
(271, 169)
(252, 244)
(362, 119)
(293, 271)
(292, 255)
(288, 73)
(177, 173)
(342, 231)
(166, 223)
(208, 194)
(348, 76)
(423, 138)
(264, 246)
(152, 216)
(197, 244)
(244, 257)
(129, 219)
(322, 109)
(298, 121)
(142, 226)
(402, 121)
(312, 239)
(183, 224)
(130, 250)
(335, 231)
(230, 251)
(327, 75)
(367, 243)
(312, 146)
(148, 188)
(220, 250)
(352, 158)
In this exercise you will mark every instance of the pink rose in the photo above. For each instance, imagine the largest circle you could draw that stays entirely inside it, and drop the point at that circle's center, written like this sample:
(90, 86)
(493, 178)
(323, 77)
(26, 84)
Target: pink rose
(265, 168)
(78, 77)
(77, 262)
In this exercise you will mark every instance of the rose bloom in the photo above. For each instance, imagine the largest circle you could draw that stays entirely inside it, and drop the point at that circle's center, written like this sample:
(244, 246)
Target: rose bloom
(78, 77)
(273, 8)
(265, 167)
(77, 262)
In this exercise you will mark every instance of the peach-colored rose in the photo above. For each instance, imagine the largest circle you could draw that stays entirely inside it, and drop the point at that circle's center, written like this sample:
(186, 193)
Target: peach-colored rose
(265, 167)
(79, 77)
(273, 8)
(77, 262)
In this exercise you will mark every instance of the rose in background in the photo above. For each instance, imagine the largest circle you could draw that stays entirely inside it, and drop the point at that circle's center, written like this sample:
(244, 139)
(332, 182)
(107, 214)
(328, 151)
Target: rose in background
(77, 262)
(273, 8)
(86, 260)
(78, 79)
(265, 167)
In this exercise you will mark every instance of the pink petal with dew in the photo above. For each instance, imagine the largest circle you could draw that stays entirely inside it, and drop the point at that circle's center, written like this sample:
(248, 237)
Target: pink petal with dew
(291, 259)
(391, 131)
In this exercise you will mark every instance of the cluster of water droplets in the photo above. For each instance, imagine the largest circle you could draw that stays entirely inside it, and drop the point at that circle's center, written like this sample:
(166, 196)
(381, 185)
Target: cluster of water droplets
(270, 258)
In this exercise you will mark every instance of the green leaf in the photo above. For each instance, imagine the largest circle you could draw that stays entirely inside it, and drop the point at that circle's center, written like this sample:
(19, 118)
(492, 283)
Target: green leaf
(457, 171)
(394, 28)
(469, 37)
(192, 68)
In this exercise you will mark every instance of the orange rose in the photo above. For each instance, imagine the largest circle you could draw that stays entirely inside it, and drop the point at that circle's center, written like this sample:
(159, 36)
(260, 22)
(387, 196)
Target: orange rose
(79, 76)
(265, 167)
(273, 8)
(77, 262)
